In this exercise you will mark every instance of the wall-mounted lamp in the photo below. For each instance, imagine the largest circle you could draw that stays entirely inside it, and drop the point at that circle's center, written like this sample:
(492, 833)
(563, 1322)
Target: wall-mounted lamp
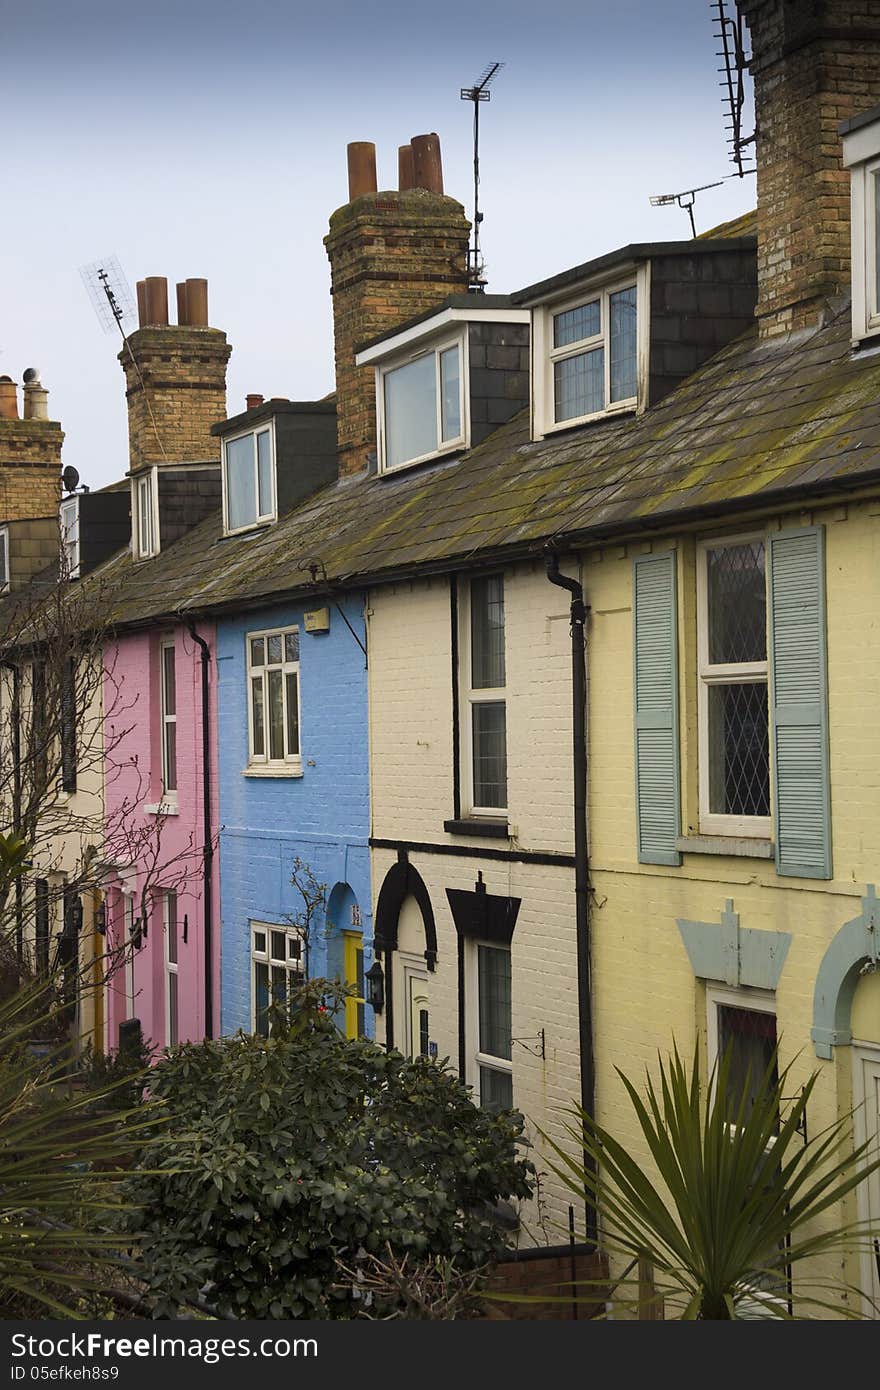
(375, 982)
(101, 918)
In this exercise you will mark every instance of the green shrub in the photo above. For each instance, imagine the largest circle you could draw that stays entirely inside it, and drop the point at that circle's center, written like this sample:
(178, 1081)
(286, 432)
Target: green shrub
(303, 1150)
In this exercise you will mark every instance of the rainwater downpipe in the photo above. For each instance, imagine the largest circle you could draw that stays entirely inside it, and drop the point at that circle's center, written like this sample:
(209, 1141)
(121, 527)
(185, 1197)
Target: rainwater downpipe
(581, 853)
(208, 845)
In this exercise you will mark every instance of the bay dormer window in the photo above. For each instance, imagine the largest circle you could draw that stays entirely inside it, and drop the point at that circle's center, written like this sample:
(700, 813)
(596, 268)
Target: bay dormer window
(249, 479)
(590, 356)
(861, 155)
(421, 405)
(145, 515)
(70, 536)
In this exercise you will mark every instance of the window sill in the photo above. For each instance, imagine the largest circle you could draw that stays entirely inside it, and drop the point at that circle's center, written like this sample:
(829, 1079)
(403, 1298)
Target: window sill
(162, 808)
(488, 829)
(726, 844)
(291, 771)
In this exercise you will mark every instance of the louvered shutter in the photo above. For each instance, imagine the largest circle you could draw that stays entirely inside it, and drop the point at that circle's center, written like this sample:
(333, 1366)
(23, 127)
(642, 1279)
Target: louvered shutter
(799, 703)
(655, 684)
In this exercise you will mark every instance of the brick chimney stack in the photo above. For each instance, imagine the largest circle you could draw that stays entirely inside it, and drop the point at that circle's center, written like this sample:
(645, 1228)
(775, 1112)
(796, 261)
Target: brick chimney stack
(392, 256)
(815, 63)
(176, 384)
(30, 452)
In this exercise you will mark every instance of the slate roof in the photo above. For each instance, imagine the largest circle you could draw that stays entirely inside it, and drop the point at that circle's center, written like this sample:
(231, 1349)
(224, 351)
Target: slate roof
(763, 422)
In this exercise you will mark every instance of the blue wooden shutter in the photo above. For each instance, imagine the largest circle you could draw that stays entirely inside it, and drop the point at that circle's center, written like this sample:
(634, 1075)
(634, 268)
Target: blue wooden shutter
(799, 702)
(655, 681)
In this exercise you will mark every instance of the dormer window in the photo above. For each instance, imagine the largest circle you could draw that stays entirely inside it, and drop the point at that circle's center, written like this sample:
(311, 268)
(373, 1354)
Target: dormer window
(590, 356)
(249, 479)
(70, 537)
(422, 405)
(861, 154)
(145, 515)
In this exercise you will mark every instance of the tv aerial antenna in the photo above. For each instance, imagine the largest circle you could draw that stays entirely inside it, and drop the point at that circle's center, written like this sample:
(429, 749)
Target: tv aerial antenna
(113, 303)
(478, 93)
(731, 36)
(685, 199)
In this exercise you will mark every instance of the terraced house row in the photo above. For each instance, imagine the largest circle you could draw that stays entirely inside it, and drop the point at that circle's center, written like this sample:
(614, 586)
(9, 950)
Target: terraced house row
(547, 643)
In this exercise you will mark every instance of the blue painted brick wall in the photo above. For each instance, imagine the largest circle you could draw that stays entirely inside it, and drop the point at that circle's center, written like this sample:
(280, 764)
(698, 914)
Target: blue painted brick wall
(321, 817)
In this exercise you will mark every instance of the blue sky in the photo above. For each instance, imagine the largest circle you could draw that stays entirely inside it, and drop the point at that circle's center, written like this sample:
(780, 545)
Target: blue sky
(208, 139)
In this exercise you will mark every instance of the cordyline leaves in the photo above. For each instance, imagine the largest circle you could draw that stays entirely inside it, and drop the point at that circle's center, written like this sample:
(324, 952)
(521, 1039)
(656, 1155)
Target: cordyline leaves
(744, 1194)
(61, 1153)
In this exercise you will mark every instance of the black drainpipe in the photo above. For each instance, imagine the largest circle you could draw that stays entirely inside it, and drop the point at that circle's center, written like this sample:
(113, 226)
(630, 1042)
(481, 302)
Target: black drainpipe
(581, 854)
(208, 847)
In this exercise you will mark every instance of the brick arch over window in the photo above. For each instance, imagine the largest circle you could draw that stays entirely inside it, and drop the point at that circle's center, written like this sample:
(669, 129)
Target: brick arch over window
(854, 947)
(401, 882)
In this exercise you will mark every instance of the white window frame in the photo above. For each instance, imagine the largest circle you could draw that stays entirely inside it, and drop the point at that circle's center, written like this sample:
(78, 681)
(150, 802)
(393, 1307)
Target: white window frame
(4, 562)
(145, 515)
(545, 355)
(471, 697)
(475, 1059)
(262, 518)
(291, 763)
(744, 673)
(172, 976)
(758, 1001)
(70, 547)
(169, 794)
(293, 964)
(861, 154)
(444, 446)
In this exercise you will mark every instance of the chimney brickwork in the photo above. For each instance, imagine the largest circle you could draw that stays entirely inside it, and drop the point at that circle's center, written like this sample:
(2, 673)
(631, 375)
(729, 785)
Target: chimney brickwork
(30, 460)
(815, 63)
(175, 377)
(392, 255)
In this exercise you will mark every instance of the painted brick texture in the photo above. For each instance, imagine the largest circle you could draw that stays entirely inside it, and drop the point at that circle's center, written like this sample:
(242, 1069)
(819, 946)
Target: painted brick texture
(166, 852)
(392, 256)
(321, 817)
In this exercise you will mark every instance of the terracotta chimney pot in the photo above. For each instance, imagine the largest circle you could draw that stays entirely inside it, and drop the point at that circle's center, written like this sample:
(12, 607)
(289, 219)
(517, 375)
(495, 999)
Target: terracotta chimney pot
(361, 169)
(405, 172)
(156, 295)
(427, 165)
(8, 399)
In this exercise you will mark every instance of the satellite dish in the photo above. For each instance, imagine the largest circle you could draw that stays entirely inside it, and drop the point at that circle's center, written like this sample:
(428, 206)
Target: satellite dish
(69, 478)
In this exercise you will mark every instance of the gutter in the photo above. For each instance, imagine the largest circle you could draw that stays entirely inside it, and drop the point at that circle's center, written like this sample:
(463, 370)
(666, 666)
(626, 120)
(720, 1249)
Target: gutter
(581, 855)
(208, 842)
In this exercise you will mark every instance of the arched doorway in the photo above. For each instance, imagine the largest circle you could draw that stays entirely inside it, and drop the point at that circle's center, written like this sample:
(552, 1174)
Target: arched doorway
(407, 937)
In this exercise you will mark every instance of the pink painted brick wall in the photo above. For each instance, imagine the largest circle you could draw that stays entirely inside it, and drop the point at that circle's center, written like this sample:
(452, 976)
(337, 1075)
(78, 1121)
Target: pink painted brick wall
(151, 853)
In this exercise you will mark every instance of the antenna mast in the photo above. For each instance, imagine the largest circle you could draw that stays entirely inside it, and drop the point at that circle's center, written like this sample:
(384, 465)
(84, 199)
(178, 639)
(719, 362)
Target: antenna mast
(479, 92)
(112, 302)
(731, 30)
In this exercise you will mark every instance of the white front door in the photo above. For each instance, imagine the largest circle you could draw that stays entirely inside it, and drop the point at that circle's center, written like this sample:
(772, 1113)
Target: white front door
(866, 1099)
(419, 1026)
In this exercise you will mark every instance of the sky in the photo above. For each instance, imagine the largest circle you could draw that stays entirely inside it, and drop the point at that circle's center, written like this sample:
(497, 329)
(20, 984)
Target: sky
(207, 138)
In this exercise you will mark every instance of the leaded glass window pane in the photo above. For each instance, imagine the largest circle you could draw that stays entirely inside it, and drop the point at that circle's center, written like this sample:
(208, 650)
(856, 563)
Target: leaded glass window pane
(241, 493)
(739, 761)
(410, 411)
(622, 313)
(576, 324)
(487, 633)
(579, 385)
(737, 598)
(450, 394)
(490, 753)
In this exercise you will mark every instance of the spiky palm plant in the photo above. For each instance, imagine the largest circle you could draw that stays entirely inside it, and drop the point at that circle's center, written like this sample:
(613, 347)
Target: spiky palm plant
(61, 1152)
(740, 1199)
